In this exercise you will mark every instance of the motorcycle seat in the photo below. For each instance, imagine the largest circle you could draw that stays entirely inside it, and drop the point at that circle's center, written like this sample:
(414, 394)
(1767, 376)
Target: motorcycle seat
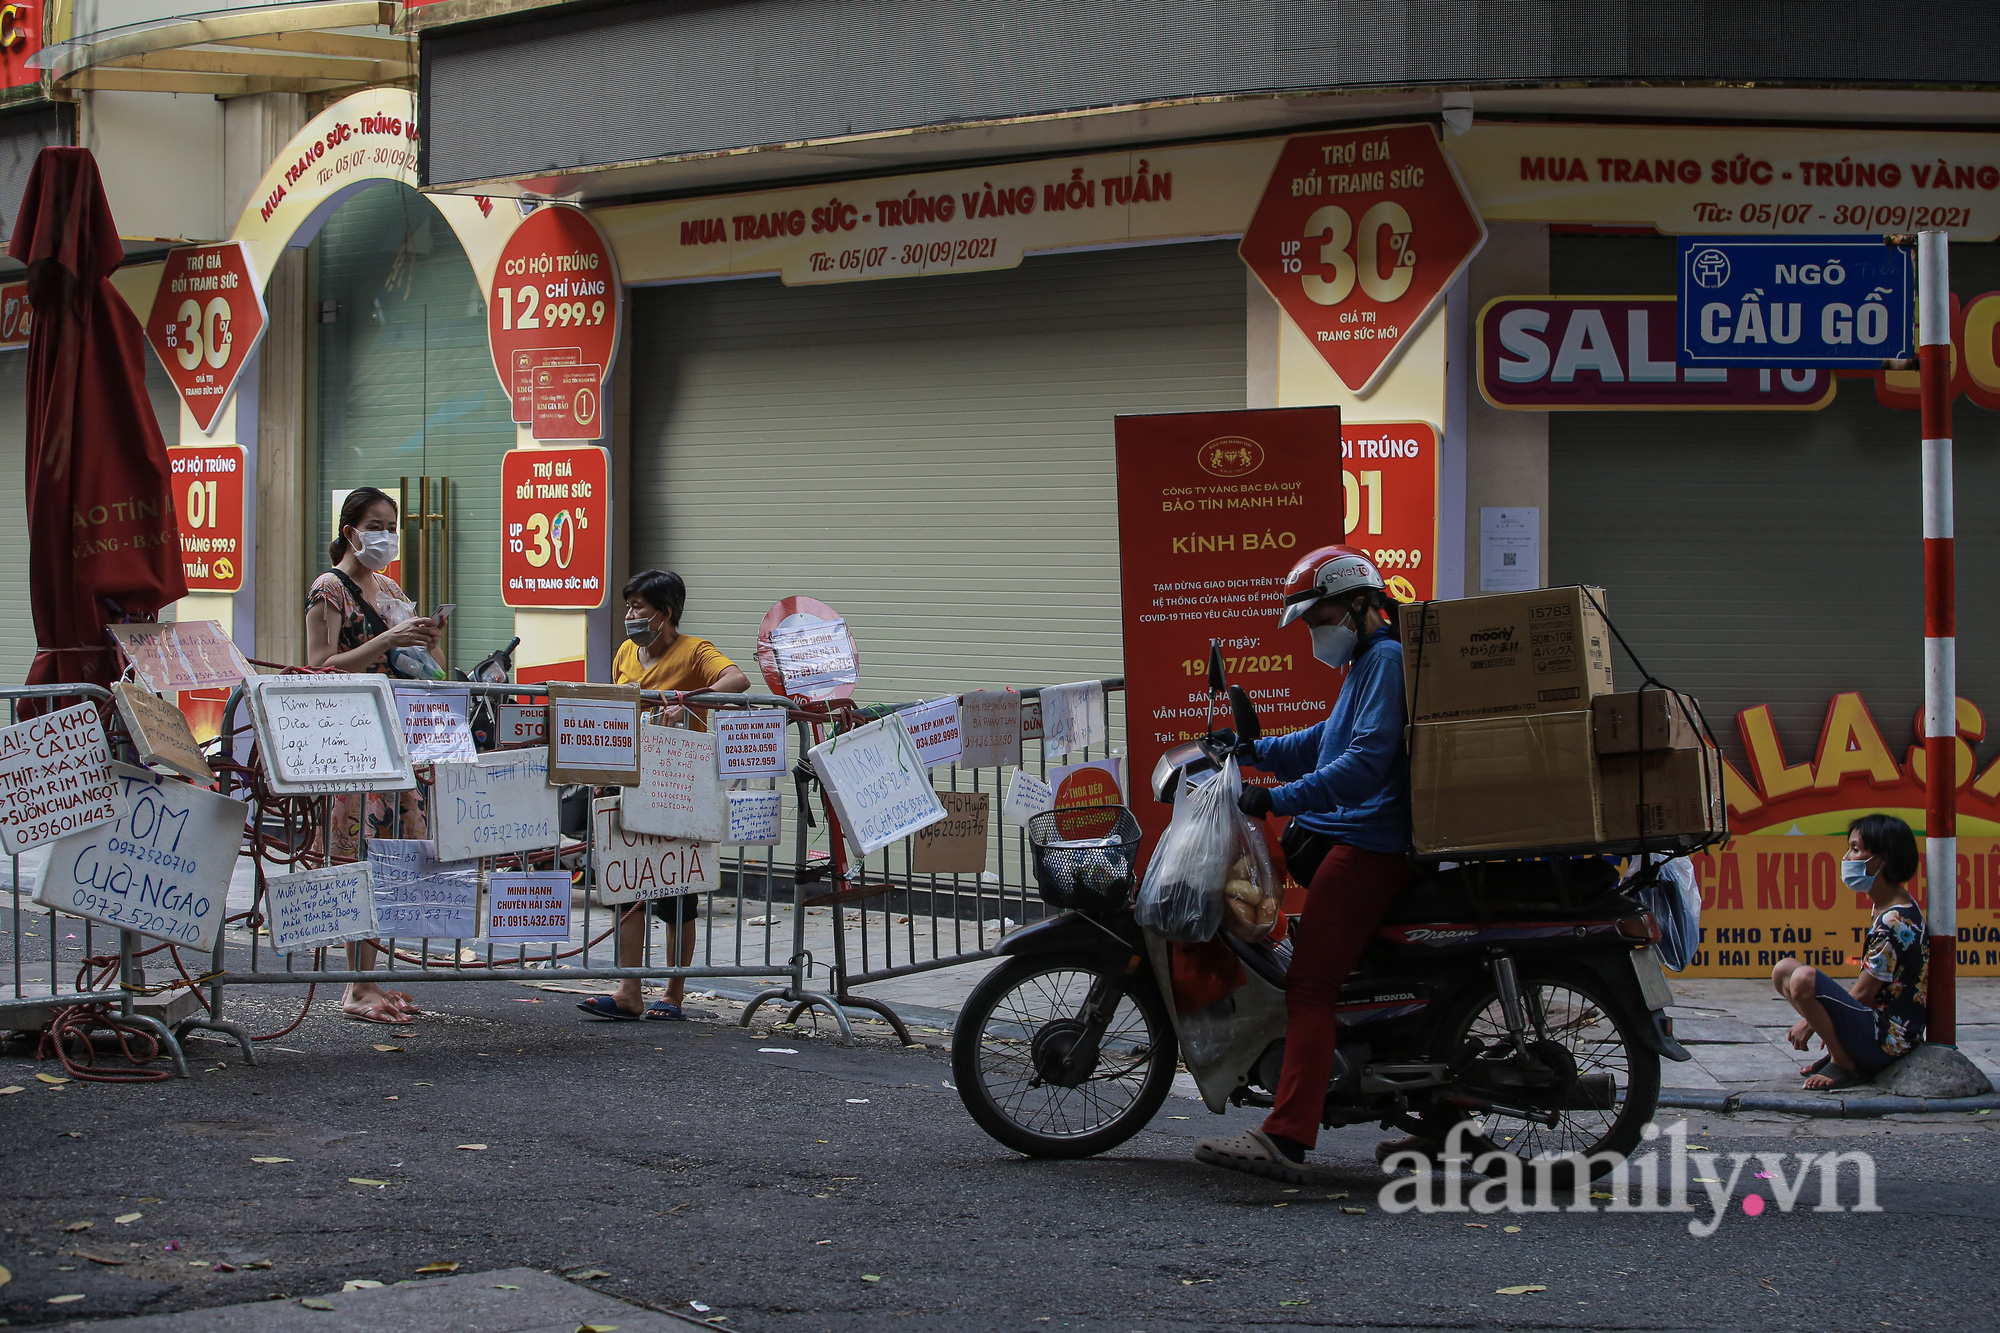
(1505, 890)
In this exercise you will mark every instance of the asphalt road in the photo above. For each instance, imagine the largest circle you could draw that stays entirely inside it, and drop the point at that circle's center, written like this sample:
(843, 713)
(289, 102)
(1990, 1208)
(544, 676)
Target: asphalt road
(688, 1165)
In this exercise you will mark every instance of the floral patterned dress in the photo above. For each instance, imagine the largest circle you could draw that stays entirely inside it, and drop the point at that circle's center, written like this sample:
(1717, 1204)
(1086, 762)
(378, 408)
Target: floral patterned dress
(382, 814)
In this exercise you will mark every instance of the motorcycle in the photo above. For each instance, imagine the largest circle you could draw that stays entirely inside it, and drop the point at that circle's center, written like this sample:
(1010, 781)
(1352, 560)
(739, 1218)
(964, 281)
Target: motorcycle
(1523, 994)
(496, 668)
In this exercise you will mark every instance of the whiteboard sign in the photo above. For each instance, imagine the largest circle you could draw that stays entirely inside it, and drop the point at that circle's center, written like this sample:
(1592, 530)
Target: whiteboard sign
(750, 744)
(678, 795)
(1027, 796)
(419, 897)
(55, 778)
(499, 804)
(815, 657)
(638, 867)
(527, 905)
(522, 724)
(756, 818)
(336, 733)
(161, 869)
(879, 787)
(989, 723)
(315, 908)
(594, 734)
(1073, 717)
(934, 730)
(437, 725)
(186, 655)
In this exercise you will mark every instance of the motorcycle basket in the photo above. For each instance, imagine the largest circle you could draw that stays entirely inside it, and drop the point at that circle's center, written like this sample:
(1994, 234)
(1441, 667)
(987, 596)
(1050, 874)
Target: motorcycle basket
(1085, 856)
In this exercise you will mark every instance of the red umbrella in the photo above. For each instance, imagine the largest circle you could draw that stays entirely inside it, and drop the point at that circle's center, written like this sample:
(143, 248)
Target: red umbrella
(104, 539)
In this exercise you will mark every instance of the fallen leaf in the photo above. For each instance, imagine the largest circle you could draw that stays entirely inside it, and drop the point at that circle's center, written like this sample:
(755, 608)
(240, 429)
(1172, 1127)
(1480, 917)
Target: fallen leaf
(65, 1300)
(1338, 1195)
(440, 1266)
(197, 1263)
(402, 1034)
(857, 1101)
(363, 1180)
(1600, 1194)
(1706, 1180)
(599, 1328)
(149, 1199)
(1196, 1281)
(1480, 1225)
(1295, 1302)
(270, 1159)
(380, 1047)
(870, 1277)
(225, 1268)
(700, 1307)
(5, 1276)
(127, 1219)
(505, 1286)
(53, 1082)
(79, 1226)
(1512, 1231)
(11, 1089)
(258, 1263)
(1698, 1147)
(107, 1260)
(588, 1274)
(359, 1284)
(1350, 1208)
(472, 1147)
(822, 1242)
(1281, 1205)
(1522, 1290)
(317, 1303)
(70, 1133)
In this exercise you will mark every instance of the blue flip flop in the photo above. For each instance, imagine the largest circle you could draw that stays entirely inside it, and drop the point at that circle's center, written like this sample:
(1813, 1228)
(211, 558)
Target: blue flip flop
(666, 1009)
(603, 1006)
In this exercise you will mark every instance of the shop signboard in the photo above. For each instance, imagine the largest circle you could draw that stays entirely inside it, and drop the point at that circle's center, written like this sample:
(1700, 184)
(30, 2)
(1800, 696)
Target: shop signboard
(1357, 237)
(208, 497)
(555, 520)
(1795, 301)
(17, 317)
(552, 318)
(207, 318)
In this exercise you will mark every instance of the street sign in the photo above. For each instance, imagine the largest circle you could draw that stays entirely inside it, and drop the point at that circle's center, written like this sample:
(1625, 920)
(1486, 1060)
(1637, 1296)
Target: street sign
(1792, 302)
(206, 319)
(1358, 237)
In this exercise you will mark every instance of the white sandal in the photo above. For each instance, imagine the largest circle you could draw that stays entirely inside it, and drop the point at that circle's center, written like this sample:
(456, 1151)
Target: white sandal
(1252, 1153)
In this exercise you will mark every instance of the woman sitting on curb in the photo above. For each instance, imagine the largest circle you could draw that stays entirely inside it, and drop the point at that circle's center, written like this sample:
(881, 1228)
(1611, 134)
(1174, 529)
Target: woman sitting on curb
(1883, 1019)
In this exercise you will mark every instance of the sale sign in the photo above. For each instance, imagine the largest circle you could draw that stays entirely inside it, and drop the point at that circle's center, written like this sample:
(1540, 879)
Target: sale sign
(208, 496)
(555, 520)
(207, 317)
(17, 317)
(1358, 235)
(552, 323)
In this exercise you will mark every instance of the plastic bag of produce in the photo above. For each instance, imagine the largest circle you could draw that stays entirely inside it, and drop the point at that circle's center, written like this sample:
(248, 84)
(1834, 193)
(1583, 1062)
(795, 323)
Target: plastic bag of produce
(1212, 856)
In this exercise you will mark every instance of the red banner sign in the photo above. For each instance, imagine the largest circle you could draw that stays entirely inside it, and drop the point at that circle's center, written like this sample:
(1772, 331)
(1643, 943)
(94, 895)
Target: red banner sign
(554, 552)
(1357, 236)
(554, 304)
(208, 496)
(20, 38)
(1389, 472)
(206, 320)
(17, 317)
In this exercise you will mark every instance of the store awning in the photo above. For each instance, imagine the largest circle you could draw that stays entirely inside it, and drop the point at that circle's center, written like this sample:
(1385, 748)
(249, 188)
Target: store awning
(311, 47)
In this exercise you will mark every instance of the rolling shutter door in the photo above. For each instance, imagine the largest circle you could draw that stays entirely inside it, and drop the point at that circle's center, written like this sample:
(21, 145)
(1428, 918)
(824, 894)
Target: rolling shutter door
(930, 456)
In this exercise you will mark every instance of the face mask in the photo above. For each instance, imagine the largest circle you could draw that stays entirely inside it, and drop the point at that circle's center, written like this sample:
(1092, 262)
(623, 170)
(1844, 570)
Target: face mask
(1334, 644)
(376, 549)
(1855, 875)
(639, 631)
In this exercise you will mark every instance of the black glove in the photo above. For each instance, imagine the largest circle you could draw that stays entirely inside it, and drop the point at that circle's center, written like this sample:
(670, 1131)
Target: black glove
(1222, 738)
(1255, 802)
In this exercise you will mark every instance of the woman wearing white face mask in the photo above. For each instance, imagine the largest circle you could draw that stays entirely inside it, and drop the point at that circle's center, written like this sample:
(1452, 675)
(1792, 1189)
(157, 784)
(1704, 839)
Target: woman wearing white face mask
(347, 630)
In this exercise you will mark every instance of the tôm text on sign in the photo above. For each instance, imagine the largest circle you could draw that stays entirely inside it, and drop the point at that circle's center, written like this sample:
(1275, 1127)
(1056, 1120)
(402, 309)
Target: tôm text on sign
(637, 867)
(593, 734)
(555, 527)
(554, 306)
(208, 498)
(55, 778)
(208, 315)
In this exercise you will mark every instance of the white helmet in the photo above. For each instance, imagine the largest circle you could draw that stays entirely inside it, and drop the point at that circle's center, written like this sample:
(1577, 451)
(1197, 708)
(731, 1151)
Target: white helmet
(1330, 571)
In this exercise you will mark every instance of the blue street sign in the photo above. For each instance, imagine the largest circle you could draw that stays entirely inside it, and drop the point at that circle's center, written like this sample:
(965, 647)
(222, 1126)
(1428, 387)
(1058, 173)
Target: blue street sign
(1794, 302)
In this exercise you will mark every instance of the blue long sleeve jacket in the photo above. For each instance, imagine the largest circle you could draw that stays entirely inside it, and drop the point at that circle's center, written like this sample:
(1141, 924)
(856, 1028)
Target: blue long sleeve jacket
(1349, 775)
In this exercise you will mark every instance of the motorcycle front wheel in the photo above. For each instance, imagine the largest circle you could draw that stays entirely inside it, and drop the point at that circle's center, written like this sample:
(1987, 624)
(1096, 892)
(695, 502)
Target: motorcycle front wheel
(1008, 1058)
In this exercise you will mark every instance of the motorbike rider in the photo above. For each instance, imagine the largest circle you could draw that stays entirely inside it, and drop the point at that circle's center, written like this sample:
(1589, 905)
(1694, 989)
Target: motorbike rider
(1347, 789)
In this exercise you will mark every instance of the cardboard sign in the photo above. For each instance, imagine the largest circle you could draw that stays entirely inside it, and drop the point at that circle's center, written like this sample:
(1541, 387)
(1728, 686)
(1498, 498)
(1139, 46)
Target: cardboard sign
(161, 869)
(989, 724)
(419, 897)
(1073, 717)
(750, 744)
(522, 724)
(878, 785)
(594, 734)
(55, 778)
(956, 844)
(1027, 796)
(315, 908)
(934, 730)
(437, 725)
(756, 818)
(816, 658)
(523, 906)
(160, 732)
(677, 795)
(499, 804)
(186, 655)
(638, 867)
(338, 733)
(1098, 782)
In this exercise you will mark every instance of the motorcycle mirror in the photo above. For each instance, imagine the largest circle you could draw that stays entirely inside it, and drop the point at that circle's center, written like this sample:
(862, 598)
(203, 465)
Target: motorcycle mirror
(1217, 682)
(1248, 728)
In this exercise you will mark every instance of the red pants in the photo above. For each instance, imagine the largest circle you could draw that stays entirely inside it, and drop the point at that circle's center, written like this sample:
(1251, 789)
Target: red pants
(1345, 904)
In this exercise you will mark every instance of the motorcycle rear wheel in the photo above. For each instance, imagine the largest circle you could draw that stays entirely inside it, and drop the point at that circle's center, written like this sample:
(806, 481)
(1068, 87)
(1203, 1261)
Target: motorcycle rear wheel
(1003, 1042)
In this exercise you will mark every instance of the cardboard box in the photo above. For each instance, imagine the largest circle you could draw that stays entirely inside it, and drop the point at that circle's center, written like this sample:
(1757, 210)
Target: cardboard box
(1546, 651)
(1662, 793)
(1505, 783)
(1644, 720)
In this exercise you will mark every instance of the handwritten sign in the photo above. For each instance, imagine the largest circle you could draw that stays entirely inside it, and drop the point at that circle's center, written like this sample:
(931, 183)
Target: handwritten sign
(1095, 783)
(522, 724)
(677, 795)
(1027, 796)
(934, 730)
(756, 818)
(437, 725)
(160, 732)
(527, 905)
(594, 734)
(638, 867)
(499, 804)
(815, 657)
(878, 784)
(337, 733)
(418, 896)
(188, 655)
(55, 778)
(161, 869)
(1073, 717)
(751, 744)
(956, 844)
(315, 908)
(989, 723)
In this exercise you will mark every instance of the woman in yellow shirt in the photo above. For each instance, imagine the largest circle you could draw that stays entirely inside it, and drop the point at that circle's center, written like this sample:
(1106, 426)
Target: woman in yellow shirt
(657, 656)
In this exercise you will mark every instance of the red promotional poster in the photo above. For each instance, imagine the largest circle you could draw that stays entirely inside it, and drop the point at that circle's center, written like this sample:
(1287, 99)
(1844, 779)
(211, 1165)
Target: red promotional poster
(206, 320)
(554, 303)
(208, 496)
(17, 317)
(1357, 236)
(554, 512)
(1389, 475)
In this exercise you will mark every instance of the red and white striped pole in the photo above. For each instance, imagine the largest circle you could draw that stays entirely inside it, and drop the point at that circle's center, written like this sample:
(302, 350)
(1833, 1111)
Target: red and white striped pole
(1940, 636)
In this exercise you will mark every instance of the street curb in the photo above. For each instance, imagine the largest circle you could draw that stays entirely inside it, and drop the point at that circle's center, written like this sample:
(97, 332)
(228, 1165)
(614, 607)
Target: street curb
(1834, 1108)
